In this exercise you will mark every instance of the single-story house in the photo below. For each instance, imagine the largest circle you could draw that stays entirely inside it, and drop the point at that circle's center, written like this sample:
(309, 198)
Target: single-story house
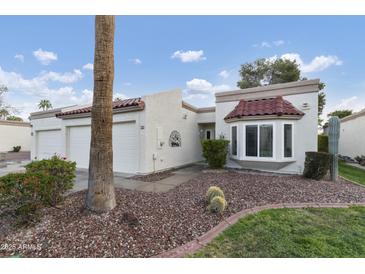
(14, 133)
(269, 128)
(352, 130)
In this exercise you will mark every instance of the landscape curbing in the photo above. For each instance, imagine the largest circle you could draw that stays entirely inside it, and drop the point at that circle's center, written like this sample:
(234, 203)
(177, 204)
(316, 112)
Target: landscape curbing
(195, 245)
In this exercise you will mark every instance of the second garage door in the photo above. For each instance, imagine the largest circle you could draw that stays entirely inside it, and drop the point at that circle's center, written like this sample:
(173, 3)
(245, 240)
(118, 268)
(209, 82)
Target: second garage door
(125, 146)
(48, 143)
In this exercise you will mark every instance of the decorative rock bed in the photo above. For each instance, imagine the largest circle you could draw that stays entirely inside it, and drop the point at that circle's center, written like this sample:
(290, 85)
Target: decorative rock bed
(147, 224)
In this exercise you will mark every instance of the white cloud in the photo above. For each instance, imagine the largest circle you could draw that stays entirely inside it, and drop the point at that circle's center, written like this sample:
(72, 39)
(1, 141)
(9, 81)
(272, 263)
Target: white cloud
(199, 85)
(88, 66)
(45, 57)
(66, 78)
(189, 56)
(37, 88)
(354, 103)
(119, 95)
(224, 74)
(19, 57)
(201, 89)
(136, 61)
(318, 63)
(265, 44)
(278, 43)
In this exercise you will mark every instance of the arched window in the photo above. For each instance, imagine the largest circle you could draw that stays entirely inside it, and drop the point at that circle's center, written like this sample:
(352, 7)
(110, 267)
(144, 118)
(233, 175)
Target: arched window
(175, 139)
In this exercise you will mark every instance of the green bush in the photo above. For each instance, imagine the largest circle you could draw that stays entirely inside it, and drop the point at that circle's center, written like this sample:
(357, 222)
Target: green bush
(20, 195)
(360, 160)
(61, 175)
(217, 205)
(212, 192)
(322, 143)
(215, 152)
(316, 164)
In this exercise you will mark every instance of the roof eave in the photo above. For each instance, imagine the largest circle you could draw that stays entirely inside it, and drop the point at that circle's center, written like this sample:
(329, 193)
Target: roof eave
(115, 111)
(263, 117)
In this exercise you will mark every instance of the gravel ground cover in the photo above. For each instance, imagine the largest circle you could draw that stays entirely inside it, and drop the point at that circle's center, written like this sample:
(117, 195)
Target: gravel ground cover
(146, 224)
(153, 177)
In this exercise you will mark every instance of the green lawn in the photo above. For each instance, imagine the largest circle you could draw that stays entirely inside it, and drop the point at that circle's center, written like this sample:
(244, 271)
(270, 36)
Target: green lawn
(352, 173)
(317, 232)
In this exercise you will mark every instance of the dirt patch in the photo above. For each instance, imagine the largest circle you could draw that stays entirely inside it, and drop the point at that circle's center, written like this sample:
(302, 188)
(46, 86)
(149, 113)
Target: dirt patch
(146, 224)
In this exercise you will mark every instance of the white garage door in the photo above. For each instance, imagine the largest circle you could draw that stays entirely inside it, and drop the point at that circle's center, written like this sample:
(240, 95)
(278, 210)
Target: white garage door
(48, 143)
(125, 146)
(79, 145)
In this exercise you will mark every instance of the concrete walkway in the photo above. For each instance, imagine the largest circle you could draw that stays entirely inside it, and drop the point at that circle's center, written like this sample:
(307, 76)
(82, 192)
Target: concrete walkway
(124, 181)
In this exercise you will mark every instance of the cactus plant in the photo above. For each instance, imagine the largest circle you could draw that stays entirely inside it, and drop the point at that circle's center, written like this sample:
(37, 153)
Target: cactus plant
(217, 205)
(214, 191)
(333, 136)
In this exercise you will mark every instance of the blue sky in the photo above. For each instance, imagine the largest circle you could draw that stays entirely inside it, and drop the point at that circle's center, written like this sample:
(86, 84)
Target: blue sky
(45, 56)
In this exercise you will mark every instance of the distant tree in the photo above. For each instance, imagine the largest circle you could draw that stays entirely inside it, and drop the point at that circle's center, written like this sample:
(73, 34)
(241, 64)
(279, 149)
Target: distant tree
(340, 113)
(14, 118)
(3, 113)
(44, 105)
(266, 72)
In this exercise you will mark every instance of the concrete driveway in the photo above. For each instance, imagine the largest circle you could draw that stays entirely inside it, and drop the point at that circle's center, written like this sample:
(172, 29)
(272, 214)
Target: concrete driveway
(125, 181)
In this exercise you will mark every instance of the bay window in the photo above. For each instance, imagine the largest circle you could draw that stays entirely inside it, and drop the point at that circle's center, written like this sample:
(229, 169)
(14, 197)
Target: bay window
(259, 140)
(288, 140)
(234, 140)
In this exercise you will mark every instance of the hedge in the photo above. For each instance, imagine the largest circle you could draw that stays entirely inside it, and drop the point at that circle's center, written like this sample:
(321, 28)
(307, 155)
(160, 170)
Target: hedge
(215, 152)
(322, 143)
(316, 164)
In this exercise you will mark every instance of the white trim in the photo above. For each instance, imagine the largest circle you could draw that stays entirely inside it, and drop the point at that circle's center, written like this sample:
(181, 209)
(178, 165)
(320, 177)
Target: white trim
(292, 141)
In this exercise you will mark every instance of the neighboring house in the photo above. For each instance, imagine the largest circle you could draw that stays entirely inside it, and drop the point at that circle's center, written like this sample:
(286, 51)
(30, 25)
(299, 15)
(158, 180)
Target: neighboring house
(270, 128)
(14, 133)
(352, 132)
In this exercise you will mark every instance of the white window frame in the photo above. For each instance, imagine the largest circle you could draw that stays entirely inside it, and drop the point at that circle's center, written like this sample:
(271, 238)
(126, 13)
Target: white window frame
(211, 135)
(231, 143)
(292, 141)
(258, 158)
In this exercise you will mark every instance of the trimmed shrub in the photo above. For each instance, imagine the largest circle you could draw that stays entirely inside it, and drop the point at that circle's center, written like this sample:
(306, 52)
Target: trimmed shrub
(217, 205)
(20, 195)
(360, 160)
(214, 191)
(322, 143)
(61, 175)
(215, 152)
(316, 164)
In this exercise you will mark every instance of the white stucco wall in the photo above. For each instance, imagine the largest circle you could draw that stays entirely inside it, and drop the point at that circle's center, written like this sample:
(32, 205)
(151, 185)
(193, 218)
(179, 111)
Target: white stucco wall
(13, 134)
(305, 129)
(352, 134)
(164, 113)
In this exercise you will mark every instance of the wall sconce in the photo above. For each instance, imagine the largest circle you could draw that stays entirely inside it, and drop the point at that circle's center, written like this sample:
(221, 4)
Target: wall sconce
(185, 116)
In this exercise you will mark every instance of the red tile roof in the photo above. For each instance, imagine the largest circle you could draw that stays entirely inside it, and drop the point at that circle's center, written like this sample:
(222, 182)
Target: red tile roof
(261, 107)
(117, 104)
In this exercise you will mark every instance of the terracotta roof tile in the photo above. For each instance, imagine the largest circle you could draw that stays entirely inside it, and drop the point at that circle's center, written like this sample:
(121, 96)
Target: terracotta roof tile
(117, 104)
(261, 107)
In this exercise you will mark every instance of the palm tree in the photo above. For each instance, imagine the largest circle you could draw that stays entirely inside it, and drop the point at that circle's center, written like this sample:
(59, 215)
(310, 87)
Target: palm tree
(44, 104)
(101, 194)
(3, 113)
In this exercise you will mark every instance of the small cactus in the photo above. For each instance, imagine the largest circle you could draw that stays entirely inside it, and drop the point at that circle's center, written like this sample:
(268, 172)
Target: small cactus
(214, 191)
(217, 205)
(333, 136)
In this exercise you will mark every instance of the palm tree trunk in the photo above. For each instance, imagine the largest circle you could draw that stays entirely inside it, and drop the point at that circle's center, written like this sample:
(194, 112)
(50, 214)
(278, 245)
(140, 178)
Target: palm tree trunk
(101, 195)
